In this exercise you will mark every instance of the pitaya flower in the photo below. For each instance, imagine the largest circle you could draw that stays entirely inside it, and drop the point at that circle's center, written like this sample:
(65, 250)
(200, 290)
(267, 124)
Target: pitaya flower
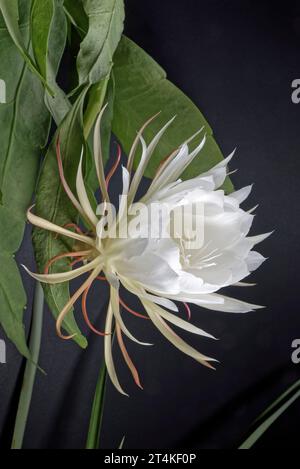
(160, 270)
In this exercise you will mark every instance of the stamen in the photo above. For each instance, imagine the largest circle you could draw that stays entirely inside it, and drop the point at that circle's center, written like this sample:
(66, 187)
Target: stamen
(70, 303)
(115, 166)
(131, 310)
(188, 310)
(72, 225)
(122, 303)
(85, 314)
(77, 261)
(76, 227)
(127, 358)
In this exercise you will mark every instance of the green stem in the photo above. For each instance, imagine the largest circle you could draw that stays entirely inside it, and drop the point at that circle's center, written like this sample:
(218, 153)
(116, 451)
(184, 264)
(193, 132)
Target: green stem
(267, 422)
(93, 438)
(31, 368)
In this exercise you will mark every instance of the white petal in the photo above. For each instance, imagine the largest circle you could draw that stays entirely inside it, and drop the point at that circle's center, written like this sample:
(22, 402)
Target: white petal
(259, 238)
(64, 276)
(165, 176)
(242, 194)
(187, 326)
(139, 172)
(253, 208)
(198, 299)
(244, 284)
(254, 260)
(219, 172)
(99, 157)
(165, 302)
(83, 197)
(151, 271)
(47, 225)
(158, 136)
(174, 338)
(116, 310)
(108, 352)
(177, 166)
(231, 305)
(136, 141)
(146, 155)
(123, 203)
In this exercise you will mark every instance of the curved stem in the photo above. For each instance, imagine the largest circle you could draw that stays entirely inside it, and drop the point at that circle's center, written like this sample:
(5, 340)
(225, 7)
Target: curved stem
(31, 368)
(93, 438)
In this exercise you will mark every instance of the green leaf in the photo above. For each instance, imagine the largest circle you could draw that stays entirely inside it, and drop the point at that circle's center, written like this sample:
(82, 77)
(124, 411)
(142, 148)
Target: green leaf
(142, 90)
(12, 302)
(77, 15)
(10, 12)
(95, 102)
(53, 204)
(49, 34)
(93, 437)
(279, 400)
(95, 57)
(294, 393)
(24, 123)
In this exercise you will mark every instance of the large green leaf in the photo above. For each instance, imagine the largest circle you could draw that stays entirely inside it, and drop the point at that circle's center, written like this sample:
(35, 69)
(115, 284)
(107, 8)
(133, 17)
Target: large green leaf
(49, 34)
(11, 11)
(24, 124)
(12, 302)
(53, 204)
(142, 90)
(106, 18)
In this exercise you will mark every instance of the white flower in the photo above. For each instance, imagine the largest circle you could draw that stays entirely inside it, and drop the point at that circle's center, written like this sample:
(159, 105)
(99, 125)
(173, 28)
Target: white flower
(159, 270)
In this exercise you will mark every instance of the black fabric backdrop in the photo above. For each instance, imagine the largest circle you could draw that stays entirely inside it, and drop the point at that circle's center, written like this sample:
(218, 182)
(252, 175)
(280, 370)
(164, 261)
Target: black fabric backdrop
(236, 60)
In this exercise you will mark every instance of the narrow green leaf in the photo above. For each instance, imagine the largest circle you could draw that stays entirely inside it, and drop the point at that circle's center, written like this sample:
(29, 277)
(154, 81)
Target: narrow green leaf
(41, 17)
(279, 400)
(142, 90)
(294, 391)
(49, 34)
(93, 438)
(77, 15)
(24, 123)
(53, 204)
(10, 12)
(95, 57)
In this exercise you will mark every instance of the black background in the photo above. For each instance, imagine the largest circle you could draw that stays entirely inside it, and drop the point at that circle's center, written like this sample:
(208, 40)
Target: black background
(236, 60)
